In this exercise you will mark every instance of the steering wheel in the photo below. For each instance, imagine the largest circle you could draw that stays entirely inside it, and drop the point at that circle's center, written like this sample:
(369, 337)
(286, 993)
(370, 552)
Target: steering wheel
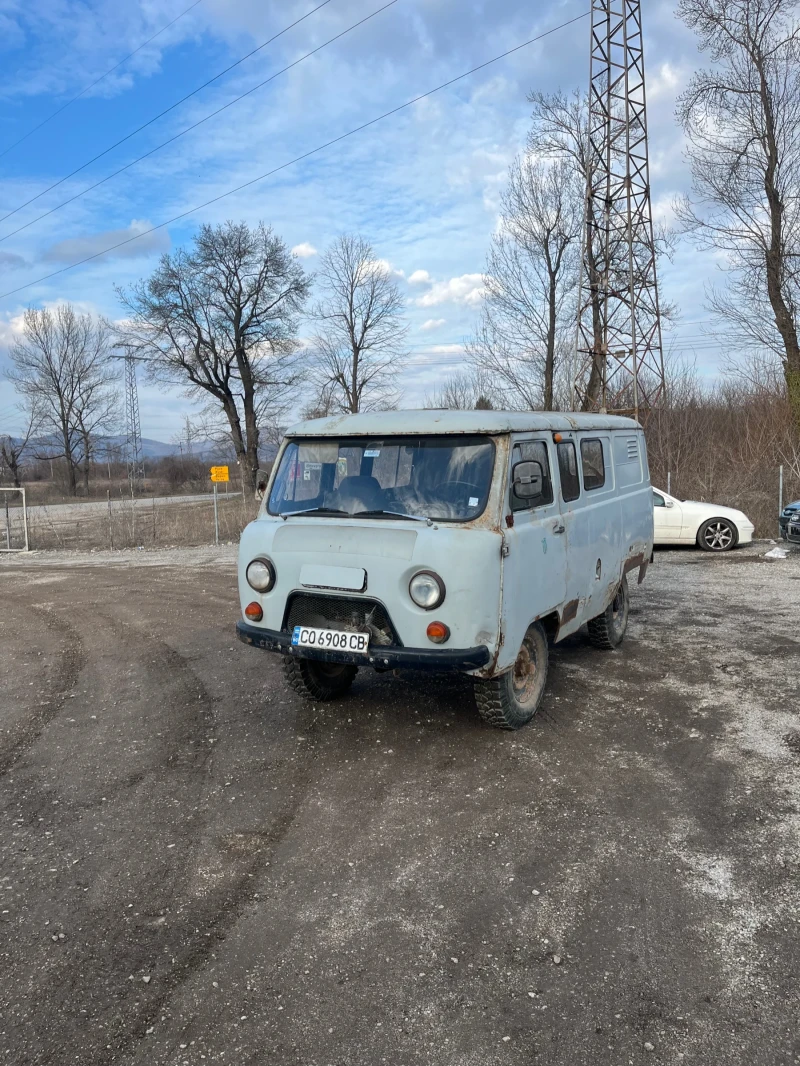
(455, 491)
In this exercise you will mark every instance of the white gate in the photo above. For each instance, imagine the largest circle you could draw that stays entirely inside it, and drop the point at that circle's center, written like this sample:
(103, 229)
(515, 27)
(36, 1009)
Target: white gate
(13, 522)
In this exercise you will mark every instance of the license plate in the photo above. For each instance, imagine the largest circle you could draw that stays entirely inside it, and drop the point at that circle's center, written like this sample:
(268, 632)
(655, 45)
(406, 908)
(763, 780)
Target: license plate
(330, 639)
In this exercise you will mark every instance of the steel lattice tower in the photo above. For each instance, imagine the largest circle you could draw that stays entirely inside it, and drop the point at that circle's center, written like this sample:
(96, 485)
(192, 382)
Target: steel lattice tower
(133, 438)
(619, 365)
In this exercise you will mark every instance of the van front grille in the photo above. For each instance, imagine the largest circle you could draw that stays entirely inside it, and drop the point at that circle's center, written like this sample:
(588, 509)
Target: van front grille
(341, 612)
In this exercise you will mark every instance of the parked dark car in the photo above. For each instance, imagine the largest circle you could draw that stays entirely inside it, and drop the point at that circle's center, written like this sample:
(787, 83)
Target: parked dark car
(793, 528)
(791, 510)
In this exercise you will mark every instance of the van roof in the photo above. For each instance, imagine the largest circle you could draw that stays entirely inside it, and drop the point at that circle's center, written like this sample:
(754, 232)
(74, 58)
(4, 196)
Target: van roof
(424, 421)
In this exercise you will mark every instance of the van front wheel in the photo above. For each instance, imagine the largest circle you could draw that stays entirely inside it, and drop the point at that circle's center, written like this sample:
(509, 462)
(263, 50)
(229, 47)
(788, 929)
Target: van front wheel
(608, 629)
(512, 699)
(316, 680)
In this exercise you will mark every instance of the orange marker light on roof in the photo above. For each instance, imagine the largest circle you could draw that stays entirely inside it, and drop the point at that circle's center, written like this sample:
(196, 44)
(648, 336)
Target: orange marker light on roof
(253, 612)
(557, 438)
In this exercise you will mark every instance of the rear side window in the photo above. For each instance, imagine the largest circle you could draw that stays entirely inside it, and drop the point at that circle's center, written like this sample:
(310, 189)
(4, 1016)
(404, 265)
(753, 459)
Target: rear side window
(533, 451)
(594, 467)
(568, 469)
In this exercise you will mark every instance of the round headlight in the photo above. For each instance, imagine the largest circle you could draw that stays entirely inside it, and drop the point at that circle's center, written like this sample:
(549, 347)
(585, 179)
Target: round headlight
(426, 589)
(260, 575)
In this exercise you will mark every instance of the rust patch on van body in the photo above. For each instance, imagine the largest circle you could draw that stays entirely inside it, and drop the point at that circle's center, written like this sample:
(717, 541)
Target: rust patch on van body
(570, 611)
(632, 562)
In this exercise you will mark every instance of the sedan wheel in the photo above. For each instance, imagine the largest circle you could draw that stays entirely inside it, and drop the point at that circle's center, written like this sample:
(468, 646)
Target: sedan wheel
(718, 535)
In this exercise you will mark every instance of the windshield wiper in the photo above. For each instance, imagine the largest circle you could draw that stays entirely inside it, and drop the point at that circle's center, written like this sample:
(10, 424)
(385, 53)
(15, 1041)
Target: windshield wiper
(315, 510)
(389, 514)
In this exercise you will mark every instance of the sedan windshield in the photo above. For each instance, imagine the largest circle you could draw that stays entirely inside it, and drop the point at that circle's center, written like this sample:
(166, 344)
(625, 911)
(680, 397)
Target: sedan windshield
(443, 478)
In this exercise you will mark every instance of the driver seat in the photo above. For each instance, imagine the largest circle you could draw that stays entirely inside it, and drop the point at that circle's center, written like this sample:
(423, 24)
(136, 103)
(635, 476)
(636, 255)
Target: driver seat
(360, 492)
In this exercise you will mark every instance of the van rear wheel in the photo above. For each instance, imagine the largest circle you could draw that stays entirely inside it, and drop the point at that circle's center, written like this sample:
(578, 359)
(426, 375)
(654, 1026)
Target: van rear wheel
(512, 699)
(608, 629)
(316, 680)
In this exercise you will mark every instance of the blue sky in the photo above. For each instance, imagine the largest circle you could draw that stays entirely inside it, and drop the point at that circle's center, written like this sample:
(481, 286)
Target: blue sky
(423, 186)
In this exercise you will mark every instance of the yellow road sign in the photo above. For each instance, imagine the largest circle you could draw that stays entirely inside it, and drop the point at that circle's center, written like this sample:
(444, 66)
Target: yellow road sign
(219, 473)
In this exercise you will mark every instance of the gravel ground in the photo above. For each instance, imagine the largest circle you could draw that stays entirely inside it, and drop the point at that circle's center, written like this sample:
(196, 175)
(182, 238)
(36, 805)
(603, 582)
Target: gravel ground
(195, 867)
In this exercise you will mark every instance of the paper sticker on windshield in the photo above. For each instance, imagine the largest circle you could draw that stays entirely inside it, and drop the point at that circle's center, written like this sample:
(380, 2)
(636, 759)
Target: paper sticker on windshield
(473, 501)
(372, 453)
(341, 465)
(309, 469)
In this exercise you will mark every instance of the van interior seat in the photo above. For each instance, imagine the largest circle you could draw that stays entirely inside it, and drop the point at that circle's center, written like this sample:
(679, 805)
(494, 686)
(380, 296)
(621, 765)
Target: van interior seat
(360, 492)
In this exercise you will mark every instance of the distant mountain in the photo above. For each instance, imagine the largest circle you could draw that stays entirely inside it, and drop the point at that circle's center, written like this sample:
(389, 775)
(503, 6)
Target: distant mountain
(151, 449)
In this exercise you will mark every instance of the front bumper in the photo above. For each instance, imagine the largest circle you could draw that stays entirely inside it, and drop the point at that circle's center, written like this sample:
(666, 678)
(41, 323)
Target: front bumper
(445, 659)
(793, 534)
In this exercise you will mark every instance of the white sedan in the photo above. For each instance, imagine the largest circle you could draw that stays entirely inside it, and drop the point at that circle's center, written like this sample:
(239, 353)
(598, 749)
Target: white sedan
(713, 528)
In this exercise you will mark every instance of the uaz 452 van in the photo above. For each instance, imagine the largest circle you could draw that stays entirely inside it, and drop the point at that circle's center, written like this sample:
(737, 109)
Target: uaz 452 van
(446, 540)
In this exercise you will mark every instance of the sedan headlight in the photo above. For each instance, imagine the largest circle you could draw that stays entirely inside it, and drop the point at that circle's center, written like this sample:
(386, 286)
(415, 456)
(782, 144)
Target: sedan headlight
(260, 575)
(427, 590)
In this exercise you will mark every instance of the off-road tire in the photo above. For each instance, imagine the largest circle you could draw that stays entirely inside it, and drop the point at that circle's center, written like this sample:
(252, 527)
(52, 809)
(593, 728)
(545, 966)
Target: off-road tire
(512, 699)
(607, 630)
(721, 531)
(317, 680)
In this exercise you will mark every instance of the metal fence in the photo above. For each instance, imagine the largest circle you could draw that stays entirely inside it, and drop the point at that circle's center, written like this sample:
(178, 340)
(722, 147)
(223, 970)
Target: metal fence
(14, 516)
(125, 522)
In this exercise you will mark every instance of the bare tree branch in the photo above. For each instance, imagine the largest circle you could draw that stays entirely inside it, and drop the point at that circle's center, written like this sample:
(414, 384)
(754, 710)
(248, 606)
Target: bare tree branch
(359, 345)
(220, 320)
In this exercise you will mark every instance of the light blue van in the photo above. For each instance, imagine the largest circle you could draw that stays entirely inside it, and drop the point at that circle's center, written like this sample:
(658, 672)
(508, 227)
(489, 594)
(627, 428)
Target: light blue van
(446, 540)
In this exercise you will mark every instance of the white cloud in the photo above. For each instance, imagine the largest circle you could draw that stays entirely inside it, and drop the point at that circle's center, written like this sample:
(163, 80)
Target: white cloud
(420, 277)
(304, 250)
(468, 289)
(667, 81)
(385, 267)
(96, 243)
(433, 323)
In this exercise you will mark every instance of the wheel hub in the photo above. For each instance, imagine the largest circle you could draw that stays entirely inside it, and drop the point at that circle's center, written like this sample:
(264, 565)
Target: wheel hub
(719, 536)
(525, 675)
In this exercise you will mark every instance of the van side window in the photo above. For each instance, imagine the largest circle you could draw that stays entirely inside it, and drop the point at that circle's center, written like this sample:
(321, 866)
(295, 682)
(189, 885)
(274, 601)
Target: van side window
(568, 469)
(594, 468)
(533, 451)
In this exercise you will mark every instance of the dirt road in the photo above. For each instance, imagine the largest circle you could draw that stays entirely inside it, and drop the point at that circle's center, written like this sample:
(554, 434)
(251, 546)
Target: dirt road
(198, 868)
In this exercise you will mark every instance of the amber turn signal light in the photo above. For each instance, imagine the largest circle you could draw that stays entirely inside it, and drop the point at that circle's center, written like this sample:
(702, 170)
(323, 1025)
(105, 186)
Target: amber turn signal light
(438, 632)
(557, 438)
(253, 612)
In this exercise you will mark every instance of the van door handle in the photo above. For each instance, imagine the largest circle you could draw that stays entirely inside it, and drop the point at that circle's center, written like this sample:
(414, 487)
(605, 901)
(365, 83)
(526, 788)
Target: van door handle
(558, 526)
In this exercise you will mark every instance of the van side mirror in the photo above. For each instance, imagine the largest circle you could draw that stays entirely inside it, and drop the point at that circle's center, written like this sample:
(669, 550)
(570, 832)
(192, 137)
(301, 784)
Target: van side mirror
(527, 479)
(262, 477)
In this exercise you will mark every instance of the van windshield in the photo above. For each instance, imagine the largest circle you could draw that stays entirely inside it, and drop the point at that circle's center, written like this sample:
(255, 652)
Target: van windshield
(437, 477)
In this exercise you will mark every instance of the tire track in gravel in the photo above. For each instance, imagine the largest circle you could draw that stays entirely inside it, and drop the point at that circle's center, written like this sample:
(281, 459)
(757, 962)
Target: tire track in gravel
(208, 925)
(71, 661)
(201, 925)
(212, 929)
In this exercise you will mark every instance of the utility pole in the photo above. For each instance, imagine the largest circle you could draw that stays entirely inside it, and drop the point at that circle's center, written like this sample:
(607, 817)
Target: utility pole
(133, 439)
(619, 365)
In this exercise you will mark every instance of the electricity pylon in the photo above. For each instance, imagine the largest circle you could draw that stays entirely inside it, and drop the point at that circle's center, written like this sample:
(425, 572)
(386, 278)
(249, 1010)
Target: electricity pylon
(619, 363)
(133, 430)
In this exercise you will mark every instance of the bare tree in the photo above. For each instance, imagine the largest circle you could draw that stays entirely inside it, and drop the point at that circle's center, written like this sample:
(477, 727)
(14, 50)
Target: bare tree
(220, 320)
(13, 450)
(742, 121)
(528, 315)
(359, 345)
(470, 390)
(61, 365)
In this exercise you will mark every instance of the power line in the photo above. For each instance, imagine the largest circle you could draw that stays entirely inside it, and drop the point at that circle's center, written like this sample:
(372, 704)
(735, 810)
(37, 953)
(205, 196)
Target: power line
(297, 159)
(166, 111)
(97, 81)
(194, 125)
